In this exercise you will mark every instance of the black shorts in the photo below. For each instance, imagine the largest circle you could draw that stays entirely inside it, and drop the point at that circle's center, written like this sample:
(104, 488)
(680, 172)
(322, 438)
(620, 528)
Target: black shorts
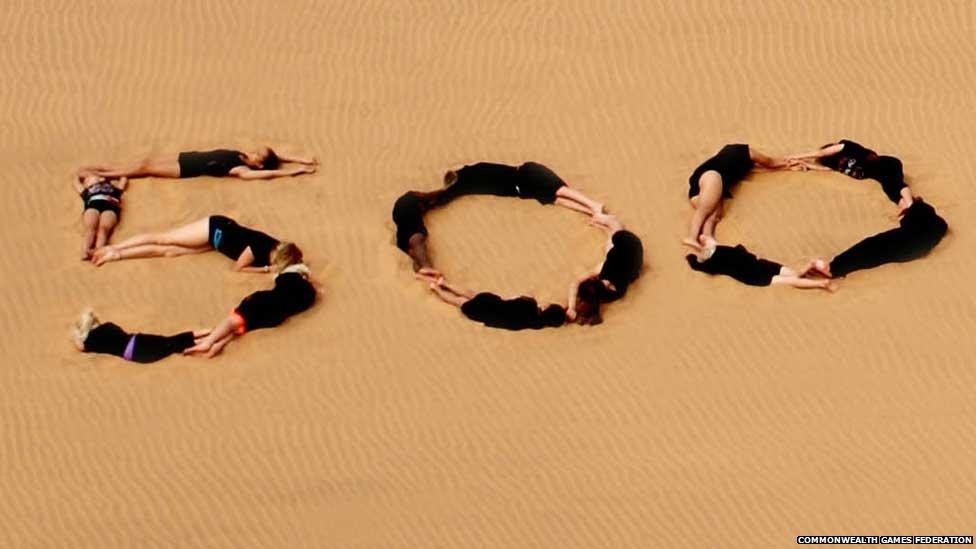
(103, 206)
(538, 182)
(732, 163)
(409, 218)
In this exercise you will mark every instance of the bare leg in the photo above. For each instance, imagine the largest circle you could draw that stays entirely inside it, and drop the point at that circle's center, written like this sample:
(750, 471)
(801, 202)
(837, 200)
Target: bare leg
(106, 223)
(90, 220)
(109, 253)
(570, 194)
(708, 200)
(226, 330)
(157, 166)
(192, 235)
(417, 250)
(708, 228)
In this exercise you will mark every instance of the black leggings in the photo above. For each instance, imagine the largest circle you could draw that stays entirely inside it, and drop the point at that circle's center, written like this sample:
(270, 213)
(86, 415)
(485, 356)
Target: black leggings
(894, 246)
(150, 347)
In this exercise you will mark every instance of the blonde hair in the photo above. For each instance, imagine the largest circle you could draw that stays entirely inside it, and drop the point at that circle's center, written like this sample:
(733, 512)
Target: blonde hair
(285, 254)
(86, 323)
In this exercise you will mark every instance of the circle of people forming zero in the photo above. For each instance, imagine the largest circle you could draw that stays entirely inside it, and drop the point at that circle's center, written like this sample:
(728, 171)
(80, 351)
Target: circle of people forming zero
(101, 188)
(604, 283)
(919, 227)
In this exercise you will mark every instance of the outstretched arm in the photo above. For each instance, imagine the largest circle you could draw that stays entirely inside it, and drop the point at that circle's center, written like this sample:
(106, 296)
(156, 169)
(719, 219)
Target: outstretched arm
(820, 153)
(308, 161)
(447, 296)
(766, 161)
(247, 173)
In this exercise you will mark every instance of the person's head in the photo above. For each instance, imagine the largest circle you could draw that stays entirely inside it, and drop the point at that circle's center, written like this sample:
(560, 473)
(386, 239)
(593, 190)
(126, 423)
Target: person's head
(284, 255)
(264, 159)
(91, 179)
(553, 316)
(86, 323)
(588, 300)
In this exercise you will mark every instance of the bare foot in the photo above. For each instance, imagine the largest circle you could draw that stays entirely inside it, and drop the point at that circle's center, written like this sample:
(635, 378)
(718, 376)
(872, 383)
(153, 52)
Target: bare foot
(708, 242)
(200, 333)
(104, 255)
(599, 208)
(692, 243)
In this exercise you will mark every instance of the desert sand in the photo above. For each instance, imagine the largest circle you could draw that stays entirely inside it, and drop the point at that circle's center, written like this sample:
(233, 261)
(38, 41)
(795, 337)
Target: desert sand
(702, 413)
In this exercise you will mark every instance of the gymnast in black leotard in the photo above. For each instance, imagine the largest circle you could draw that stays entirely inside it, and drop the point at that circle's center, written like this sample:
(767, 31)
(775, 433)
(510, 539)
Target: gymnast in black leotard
(713, 180)
(251, 250)
(102, 206)
(920, 230)
(519, 313)
(411, 233)
(93, 336)
(608, 281)
(264, 163)
(857, 161)
(742, 265)
(530, 180)
(293, 292)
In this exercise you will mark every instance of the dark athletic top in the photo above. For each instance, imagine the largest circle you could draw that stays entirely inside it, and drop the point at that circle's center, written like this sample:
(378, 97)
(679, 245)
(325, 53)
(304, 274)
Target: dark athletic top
(107, 338)
(292, 294)
(511, 314)
(231, 239)
(738, 263)
(733, 163)
(102, 189)
(216, 163)
(408, 214)
(922, 220)
(623, 263)
(531, 180)
(860, 162)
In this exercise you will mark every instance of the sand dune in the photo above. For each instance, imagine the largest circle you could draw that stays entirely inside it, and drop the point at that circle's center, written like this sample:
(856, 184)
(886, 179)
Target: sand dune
(701, 414)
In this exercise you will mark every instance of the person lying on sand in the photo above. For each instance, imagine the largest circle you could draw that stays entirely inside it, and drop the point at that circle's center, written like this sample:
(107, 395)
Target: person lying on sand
(293, 293)
(530, 180)
(517, 313)
(859, 162)
(263, 163)
(253, 251)
(713, 180)
(411, 233)
(920, 230)
(102, 200)
(609, 280)
(92, 336)
(738, 263)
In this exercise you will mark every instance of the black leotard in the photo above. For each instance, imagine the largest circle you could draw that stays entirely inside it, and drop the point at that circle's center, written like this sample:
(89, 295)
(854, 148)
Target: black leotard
(292, 294)
(216, 163)
(920, 230)
(860, 162)
(408, 215)
(733, 163)
(102, 196)
(738, 263)
(511, 314)
(623, 263)
(110, 339)
(231, 239)
(530, 180)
